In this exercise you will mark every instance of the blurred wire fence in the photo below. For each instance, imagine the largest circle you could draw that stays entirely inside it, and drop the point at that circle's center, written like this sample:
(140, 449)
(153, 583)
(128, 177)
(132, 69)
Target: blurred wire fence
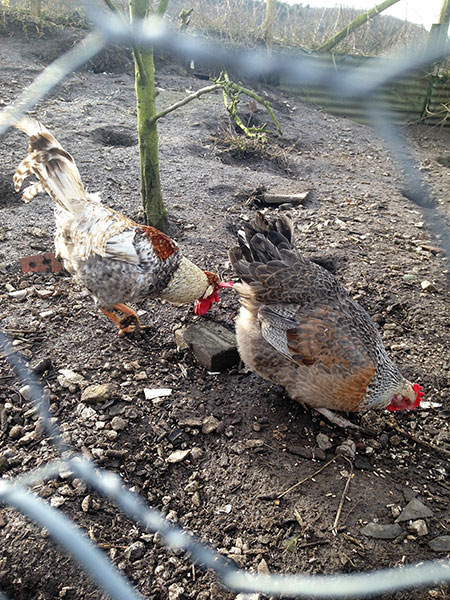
(355, 82)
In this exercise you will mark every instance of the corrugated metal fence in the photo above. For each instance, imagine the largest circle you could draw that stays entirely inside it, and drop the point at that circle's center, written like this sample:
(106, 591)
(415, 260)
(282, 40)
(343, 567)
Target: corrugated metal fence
(416, 97)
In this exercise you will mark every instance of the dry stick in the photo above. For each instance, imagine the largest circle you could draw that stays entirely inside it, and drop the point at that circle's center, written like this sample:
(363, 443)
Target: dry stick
(197, 94)
(416, 439)
(309, 476)
(341, 503)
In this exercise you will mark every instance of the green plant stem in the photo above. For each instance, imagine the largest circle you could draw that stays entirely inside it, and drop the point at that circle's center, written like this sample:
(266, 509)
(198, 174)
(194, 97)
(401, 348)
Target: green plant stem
(154, 209)
(258, 98)
(360, 20)
(189, 98)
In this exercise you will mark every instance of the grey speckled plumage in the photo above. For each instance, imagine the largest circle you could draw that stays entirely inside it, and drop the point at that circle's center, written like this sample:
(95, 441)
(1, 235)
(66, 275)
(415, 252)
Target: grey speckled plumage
(117, 259)
(299, 327)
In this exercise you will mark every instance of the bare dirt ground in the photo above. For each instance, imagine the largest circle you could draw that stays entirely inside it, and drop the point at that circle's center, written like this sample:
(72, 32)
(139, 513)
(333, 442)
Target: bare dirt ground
(263, 442)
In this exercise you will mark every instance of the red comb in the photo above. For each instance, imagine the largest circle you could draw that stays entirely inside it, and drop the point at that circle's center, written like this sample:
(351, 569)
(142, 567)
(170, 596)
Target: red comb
(226, 284)
(419, 394)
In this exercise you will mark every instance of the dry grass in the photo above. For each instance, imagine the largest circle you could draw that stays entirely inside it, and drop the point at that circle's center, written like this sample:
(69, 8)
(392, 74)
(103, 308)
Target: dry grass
(232, 145)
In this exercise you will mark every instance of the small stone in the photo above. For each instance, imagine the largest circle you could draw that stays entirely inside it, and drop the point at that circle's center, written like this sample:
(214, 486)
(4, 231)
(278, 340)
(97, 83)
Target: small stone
(134, 551)
(18, 294)
(323, 441)
(98, 392)
(26, 392)
(67, 377)
(44, 294)
(196, 453)
(195, 499)
(427, 286)
(347, 448)
(172, 516)
(178, 456)
(252, 444)
(418, 527)
(382, 532)
(15, 432)
(46, 313)
(441, 543)
(415, 509)
(57, 501)
(111, 435)
(175, 591)
(118, 424)
(210, 424)
(262, 568)
(27, 439)
(409, 277)
(189, 420)
(141, 376)
(86, 503)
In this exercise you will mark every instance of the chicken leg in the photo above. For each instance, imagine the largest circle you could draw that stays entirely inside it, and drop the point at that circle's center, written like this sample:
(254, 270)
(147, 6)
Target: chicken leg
(127, 324)
(336, 419)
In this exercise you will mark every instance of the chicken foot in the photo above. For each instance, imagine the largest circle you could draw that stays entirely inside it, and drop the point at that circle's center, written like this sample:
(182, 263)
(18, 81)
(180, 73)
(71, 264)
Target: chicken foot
(336, 419)
(127, 324)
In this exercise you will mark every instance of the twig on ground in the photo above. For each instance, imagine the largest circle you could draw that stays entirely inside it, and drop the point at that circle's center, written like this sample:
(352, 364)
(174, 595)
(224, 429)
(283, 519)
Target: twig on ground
(417, 439)
(296, 485)
(344, 493)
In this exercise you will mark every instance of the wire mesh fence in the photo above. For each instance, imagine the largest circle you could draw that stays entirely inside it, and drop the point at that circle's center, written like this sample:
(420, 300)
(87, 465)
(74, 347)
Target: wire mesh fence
(359, 83)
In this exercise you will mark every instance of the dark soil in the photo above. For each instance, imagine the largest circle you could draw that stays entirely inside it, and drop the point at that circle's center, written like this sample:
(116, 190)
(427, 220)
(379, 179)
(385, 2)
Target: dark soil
(356, 218)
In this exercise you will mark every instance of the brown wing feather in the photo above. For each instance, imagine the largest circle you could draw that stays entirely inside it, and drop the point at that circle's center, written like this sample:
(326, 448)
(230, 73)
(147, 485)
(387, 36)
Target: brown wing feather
(334, 367)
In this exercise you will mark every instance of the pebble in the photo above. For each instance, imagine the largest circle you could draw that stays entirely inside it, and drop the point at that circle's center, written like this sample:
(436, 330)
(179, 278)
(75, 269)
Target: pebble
(175, 591)
(57, 501)
(134, 551)
(427, 286)
(382, 532)
(67, 377)
(18, 294)
(251, 444)
(118, 424)
(86, 503)
(98, 392)
(415, 509)
(347, 448)
(323, 441)
(418, 527)
(196, 453)
(15, 432)
(210, 424)
(262, 568)
(27, 439)
(441, 543)
(26, 392)
(178, 456)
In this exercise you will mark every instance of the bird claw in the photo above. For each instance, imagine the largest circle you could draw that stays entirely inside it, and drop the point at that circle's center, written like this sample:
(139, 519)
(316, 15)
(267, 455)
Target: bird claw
(130, 324)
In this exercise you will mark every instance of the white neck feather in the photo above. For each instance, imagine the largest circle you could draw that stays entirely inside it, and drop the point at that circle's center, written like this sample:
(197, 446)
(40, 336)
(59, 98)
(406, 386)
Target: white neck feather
(188, 283)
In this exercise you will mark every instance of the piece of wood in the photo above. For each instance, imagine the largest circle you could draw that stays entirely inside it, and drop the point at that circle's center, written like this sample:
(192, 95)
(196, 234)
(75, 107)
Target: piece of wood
(268, 198)
(213, 345)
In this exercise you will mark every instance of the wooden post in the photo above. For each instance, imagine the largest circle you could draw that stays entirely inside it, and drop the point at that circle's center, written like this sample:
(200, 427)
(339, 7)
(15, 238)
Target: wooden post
(360, 20)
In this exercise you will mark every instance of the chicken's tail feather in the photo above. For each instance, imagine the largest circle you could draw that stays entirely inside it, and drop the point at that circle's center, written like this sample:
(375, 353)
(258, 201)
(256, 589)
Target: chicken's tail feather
(262, 241)
(54, 168)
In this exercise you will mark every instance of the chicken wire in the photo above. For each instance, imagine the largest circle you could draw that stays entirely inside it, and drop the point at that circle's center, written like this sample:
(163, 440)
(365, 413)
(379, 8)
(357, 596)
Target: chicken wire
(355, 82)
